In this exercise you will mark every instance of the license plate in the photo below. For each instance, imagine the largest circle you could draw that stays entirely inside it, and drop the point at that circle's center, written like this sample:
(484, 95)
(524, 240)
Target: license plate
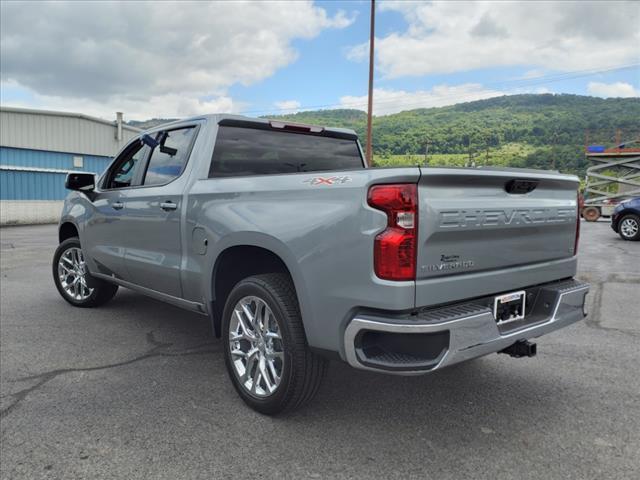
(509, 307)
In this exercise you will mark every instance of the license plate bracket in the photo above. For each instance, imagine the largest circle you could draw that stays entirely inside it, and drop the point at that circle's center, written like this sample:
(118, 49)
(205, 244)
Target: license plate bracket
(509, 307)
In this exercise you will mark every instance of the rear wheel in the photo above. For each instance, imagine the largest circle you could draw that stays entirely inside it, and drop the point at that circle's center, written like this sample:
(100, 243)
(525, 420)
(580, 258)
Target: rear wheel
(591, 214)
(629, 227)
(73, 280)
(266, 352)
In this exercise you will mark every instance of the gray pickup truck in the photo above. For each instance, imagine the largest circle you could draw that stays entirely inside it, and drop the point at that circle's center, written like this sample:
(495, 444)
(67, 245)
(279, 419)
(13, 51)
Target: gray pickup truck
(298, 253)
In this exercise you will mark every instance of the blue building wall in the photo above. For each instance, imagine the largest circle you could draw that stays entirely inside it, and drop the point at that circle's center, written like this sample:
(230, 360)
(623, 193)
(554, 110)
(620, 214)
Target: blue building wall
(35, 182)
(17, 185)
(64, 161)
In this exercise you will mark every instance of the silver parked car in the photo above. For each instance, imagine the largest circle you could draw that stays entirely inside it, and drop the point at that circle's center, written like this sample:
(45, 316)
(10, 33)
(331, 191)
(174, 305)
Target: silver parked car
(298, 253)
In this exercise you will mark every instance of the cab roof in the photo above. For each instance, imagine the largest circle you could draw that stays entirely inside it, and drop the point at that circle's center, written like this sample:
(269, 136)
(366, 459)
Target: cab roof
(264, 123)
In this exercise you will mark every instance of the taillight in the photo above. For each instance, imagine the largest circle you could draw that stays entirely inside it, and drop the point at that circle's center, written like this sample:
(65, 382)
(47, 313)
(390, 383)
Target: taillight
(394, 251)
(580, 204)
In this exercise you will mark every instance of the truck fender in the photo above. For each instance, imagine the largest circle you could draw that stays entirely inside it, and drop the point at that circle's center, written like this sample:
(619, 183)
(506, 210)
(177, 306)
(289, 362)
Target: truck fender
(266, 242)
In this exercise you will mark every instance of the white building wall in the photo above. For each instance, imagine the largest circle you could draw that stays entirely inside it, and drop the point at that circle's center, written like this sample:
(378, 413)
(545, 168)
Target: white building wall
(61, 132)
(29, 212)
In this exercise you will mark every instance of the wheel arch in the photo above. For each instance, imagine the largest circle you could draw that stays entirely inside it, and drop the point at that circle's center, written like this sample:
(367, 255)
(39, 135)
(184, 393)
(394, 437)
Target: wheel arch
(67, 230)
(238, 260)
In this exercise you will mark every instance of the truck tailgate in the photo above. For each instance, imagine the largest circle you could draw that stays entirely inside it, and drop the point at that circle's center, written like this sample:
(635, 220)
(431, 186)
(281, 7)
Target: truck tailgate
(476, 224)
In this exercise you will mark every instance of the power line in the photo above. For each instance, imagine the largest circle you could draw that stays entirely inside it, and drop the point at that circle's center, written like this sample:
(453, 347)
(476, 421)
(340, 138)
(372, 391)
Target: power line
(516, 83)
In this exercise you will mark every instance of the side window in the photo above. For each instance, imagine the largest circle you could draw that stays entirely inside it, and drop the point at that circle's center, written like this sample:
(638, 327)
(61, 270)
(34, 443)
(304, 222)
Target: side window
(123, 173)
(169, 158)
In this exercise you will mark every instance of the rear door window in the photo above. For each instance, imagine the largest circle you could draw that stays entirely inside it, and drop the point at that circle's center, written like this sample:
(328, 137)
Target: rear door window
(241, 151)
(169, 158)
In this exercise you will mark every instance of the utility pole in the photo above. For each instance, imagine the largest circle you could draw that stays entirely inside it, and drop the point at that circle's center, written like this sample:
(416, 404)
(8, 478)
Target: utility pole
(426, 150)
(554, 150)
(369, 153)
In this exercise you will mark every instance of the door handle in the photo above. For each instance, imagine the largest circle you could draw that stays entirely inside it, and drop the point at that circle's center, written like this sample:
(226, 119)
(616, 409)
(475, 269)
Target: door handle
(167, 206)
(117, 205)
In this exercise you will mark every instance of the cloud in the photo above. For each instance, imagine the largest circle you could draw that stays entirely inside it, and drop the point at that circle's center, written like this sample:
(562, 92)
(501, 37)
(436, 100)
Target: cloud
(358, 53)
(134, 53)
(341, 19)
(291, 106)
(155, 106)
(488, 27)
(530, 74)
(447, 37)
(387, 101)
(617, 89)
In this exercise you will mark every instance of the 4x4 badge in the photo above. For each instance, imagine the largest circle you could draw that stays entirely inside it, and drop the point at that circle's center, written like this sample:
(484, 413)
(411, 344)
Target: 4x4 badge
(327, 180)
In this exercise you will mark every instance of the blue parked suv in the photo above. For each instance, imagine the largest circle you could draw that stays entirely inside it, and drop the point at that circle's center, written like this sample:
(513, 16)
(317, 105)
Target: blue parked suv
(626, 219)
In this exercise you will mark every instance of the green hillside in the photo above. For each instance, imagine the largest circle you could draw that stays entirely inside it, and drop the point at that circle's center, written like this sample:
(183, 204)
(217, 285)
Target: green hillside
(536, 131)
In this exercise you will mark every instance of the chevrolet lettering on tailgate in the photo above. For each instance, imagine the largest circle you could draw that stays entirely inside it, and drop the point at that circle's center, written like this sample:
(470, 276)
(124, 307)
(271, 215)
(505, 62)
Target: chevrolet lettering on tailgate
(494, 218)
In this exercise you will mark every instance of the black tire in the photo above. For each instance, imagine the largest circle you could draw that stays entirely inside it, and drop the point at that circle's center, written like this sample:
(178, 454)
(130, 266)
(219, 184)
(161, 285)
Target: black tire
(302, 370)
(102, 291)
(632, 220)
(591, 214)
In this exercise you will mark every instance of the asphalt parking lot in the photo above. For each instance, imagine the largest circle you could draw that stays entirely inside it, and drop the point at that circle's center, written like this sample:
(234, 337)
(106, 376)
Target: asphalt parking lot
(138, 389)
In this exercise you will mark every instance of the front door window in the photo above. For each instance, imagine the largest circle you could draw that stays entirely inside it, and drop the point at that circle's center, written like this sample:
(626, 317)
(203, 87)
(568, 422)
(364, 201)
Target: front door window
(124, 172)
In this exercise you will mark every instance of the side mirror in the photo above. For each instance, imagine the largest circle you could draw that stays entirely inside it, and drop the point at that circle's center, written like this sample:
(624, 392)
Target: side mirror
(82, 182)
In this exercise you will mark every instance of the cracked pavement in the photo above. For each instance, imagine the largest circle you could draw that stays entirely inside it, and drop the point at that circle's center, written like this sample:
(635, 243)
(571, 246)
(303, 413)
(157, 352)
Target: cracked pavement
(137, 389)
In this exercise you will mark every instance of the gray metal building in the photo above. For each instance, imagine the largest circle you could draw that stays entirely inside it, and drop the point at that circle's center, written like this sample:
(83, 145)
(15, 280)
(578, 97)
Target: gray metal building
(39, 147)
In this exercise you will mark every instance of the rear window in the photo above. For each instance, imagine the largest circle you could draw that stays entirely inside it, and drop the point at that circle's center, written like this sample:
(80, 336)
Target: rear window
(170, 156)
(250, 151)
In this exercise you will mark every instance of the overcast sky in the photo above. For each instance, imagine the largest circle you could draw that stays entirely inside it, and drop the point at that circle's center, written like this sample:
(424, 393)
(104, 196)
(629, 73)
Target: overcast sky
(178, 59)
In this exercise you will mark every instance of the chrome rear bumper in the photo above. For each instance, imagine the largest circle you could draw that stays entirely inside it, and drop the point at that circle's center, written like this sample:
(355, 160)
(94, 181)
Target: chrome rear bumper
(444, 336)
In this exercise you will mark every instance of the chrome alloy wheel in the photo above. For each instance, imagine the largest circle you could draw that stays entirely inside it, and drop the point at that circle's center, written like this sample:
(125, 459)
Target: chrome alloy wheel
(256, 347)
(72, 272)
(629, 227)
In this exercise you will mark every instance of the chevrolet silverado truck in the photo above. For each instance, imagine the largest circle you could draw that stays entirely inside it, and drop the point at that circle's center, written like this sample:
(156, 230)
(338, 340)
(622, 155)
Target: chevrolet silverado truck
(298, 253)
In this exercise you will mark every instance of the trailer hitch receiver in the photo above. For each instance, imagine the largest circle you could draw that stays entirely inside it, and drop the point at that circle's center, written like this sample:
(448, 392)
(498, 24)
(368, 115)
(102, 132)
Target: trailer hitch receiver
(522, 348)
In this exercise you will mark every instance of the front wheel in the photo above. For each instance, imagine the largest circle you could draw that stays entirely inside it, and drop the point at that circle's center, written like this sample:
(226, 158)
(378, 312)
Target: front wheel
(266, 352)
(629, 227)
(73, 280)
